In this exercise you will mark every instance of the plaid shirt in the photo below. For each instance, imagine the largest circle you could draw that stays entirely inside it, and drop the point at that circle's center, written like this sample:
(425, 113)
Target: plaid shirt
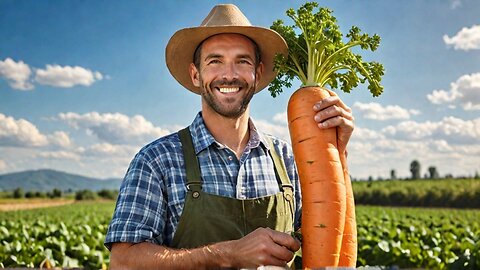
(153, 191)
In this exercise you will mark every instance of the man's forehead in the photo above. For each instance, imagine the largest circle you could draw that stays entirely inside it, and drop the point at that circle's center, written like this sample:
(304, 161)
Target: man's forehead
(228, 37)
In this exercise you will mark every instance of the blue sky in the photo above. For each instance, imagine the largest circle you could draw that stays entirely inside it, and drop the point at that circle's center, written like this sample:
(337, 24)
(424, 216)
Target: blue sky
(83, 84)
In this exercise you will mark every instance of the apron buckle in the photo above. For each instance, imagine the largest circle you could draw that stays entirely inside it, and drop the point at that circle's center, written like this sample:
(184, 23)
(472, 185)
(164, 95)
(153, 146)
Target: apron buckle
(197, 185)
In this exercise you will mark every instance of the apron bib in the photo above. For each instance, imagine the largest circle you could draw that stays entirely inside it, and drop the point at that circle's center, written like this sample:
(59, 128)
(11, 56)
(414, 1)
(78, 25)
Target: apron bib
(208, 218)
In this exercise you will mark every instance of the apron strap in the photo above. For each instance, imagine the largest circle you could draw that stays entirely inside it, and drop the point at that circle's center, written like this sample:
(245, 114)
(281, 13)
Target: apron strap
(192, 167)
(279, 166)
(281, 171)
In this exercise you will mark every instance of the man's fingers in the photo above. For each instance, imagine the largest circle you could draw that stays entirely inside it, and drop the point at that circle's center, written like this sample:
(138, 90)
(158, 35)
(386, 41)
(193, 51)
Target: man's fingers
(285, 240)
(329, 101)
(331, 112)
(336, 121)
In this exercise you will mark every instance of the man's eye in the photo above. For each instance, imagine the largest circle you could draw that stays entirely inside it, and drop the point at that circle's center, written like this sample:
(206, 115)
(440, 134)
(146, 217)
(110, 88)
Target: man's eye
(214, 61)
(245, 62)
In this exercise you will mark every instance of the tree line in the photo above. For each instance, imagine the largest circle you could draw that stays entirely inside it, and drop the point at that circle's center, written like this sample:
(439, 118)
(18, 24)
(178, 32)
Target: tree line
(416, 173)
(79, 195)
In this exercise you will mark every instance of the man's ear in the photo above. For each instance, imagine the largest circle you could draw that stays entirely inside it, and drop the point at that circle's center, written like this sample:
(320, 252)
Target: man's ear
(194, 75)
(259, 73)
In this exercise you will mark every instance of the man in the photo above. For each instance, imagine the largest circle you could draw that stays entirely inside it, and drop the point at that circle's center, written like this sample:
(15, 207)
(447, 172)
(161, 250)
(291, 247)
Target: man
(219, 194)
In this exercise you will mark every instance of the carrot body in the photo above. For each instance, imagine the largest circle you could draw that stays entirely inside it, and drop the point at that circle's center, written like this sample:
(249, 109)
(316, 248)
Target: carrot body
(348, 254)
(322, 180)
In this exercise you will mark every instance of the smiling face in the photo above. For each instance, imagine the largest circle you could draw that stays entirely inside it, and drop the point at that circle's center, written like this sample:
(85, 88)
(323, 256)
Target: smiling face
(227, 74)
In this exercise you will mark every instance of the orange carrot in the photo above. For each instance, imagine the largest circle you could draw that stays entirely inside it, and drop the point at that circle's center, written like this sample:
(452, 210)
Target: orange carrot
(322, 180)
(348, 254)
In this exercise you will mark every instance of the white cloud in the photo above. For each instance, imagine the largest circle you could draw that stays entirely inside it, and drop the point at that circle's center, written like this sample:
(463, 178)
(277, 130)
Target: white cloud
(109, 150)
(466, 39)
(16, 73)
(115, 128)
(367, 134)
(465, 91)
(451, 129)
(280, 131)
(60, 138)
(60, 155)
(376, 111)
(20, 133)
(454, 4)
(3, 165)
(377, 157)
(66, 76)
(281, 118)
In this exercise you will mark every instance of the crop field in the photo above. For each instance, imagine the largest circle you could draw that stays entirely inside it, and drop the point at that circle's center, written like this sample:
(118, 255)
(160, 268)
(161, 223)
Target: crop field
(67, 236)
(72, 236)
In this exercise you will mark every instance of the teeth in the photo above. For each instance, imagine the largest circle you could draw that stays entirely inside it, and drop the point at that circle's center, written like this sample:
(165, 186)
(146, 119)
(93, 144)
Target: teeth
(229, 90)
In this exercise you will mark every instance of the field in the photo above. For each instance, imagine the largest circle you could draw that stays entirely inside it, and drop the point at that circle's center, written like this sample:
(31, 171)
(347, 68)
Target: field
(66, 236)
(72, 236)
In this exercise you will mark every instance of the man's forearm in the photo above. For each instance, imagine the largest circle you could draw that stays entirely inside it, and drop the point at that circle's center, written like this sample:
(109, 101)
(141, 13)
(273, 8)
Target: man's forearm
(151, 256)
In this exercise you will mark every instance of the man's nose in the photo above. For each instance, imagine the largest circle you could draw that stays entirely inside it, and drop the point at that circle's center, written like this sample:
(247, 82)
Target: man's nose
(230, 72)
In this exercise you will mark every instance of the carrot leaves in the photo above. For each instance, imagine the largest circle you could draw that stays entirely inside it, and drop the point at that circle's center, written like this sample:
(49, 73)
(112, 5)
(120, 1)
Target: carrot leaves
(318, 56)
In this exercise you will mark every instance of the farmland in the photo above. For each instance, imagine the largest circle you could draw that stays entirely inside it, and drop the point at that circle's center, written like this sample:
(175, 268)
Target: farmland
(72, 236)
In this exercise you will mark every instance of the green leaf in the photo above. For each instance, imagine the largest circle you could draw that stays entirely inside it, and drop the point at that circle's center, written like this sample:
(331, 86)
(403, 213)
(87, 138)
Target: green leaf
(319, 56)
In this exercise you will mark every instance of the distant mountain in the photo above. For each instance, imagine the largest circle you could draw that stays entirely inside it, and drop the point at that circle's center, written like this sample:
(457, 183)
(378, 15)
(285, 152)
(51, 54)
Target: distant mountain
(47, 180)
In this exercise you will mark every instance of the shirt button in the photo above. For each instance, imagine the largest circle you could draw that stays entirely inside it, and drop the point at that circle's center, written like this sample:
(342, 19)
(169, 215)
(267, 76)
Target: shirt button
(230, 158)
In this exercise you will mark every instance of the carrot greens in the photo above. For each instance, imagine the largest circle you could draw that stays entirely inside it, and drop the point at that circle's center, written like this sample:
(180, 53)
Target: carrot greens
(318, 56)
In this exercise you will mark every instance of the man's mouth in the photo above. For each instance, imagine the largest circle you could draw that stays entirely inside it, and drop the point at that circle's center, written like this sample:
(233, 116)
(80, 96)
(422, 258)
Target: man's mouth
(228, 89)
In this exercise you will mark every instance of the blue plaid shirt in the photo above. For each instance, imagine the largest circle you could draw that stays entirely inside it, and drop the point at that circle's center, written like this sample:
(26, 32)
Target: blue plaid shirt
(153, 191)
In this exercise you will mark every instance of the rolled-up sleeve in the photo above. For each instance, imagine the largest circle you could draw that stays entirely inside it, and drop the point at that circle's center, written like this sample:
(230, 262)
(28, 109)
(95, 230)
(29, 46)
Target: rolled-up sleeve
(140, 212)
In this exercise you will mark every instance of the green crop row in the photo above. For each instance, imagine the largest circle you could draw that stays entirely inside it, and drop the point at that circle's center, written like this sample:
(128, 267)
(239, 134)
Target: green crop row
(67, 236)
(458, 193)
(419, 238)
(72, 236)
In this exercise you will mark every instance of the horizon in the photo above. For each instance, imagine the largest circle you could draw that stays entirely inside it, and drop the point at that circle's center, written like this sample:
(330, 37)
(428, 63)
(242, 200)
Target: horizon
(84, 85)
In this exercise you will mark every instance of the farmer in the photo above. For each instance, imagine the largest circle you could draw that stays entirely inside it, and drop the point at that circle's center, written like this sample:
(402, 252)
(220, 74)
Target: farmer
(220, 193)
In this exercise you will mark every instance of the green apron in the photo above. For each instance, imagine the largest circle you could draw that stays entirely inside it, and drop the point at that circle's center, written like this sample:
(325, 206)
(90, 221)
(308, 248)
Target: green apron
(208, 218)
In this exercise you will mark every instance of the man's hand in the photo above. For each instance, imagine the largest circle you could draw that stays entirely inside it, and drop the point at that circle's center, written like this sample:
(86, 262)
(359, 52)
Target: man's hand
(332, 112)
(263, 246)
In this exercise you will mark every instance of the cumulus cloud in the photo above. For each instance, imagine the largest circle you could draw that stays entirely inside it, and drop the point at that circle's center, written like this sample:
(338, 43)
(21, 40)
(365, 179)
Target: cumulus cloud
(66, 76)
(115, 128)
(362, 134)
(278, 130)
(20, 133)
(466, 39)
(109, 150)
(59, 155)
(450, 128)
(17, 74)
(451, 144)
(281, 118)
(376, 111)
(60, 138)
(465, 91)
(3, 165)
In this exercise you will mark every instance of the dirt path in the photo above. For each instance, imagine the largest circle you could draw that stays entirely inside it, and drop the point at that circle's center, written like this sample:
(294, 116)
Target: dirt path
(13, 205)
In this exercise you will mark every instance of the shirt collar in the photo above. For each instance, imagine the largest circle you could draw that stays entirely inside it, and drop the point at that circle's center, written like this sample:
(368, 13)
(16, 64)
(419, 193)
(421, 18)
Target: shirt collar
(202, 138)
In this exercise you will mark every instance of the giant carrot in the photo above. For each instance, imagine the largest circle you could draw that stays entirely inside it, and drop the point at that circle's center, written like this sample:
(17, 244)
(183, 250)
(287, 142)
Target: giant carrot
(321, 178)
(348, 254)
(318, 56)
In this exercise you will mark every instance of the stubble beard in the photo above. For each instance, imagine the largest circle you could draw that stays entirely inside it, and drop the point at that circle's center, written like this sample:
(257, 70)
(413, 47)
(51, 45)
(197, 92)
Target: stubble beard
(229, 110)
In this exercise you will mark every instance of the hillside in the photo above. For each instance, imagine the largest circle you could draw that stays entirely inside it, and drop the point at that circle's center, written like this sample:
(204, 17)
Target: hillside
(47, 180)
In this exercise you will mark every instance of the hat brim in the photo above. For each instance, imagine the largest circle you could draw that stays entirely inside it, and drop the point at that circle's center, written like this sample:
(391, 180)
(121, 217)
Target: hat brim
(182, 45)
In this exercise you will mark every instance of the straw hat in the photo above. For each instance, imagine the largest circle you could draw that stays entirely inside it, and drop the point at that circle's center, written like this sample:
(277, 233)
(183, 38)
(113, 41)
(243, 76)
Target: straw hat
(225, 18)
